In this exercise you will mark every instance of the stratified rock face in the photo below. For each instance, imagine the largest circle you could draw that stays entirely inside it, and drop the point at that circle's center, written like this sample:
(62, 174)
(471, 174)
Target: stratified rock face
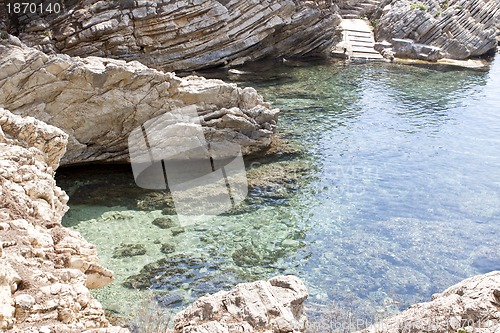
(45, 269)
(472, 305)
(460, 28)
(99, 101)
(4, 18)
(185, 34)
(273, 306)
(498, 29)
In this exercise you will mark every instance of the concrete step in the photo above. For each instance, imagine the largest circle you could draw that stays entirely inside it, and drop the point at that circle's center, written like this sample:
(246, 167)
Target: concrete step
(364, 49)
(359, 40)
(367, 56)
(356, 25)
(367, 37)
(362, 43)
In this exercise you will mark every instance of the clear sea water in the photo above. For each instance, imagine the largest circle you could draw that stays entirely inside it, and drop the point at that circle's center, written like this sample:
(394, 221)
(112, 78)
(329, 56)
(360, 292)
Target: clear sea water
(394, 194)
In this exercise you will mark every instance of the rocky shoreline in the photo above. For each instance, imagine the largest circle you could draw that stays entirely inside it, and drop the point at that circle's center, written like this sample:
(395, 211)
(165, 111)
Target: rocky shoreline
(47, 270)
(183, 35)
(85, 108)
(98, 102)
(191, 35)
(433, 30)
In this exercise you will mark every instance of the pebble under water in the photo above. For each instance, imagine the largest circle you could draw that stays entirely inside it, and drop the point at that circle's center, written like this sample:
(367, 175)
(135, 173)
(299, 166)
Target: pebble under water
(392, 194)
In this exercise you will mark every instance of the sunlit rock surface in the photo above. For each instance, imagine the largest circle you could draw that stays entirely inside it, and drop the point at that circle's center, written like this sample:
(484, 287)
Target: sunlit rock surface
(186, 34)
(461, 29)
(98, 102)
(276, 306)
(472, 305)
(45, 269)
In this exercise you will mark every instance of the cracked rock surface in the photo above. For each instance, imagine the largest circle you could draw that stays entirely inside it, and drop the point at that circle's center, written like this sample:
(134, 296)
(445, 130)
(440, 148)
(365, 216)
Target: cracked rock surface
(276, 305)
(185, 34)
(46, 270)
(472, 305)
(459, 28)
(98, 102)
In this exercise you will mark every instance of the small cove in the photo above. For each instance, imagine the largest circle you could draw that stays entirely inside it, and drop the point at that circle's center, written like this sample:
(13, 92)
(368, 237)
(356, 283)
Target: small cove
(393, 195)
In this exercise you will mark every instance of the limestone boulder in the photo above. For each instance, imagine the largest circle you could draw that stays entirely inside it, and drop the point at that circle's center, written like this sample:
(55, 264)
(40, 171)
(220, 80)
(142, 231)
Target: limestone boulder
(407, 48)
(9, 281)
(98, 102)
(185, 34)
(472, 305)
(45, 269)
(276, 306)
(459, 29)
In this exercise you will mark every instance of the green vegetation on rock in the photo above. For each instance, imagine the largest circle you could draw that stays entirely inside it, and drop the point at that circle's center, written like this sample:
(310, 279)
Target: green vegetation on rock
(419, 6)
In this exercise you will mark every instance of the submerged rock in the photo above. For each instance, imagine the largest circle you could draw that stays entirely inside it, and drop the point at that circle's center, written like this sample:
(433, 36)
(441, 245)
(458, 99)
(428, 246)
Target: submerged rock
(246, 256)
(167, 248)
(157, 201)
(276, 305)
(484, 264)
(169, 299)
(165, 223)
(177, 231)
(198, 276)
(129, 250)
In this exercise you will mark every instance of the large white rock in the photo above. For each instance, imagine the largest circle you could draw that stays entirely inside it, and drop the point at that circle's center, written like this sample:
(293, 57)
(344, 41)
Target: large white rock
(472, 305)
(276, 306)
(98, 102)
(45, 269)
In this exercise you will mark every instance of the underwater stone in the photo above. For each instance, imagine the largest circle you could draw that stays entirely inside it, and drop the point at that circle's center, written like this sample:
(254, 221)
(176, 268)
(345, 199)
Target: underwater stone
(168, 211)
(290, 243)
(164, 223)
(169, 299)
(177, 230)
(147, 273)
(167, 248)
(157, 201)
(246, 256)
(486, 264)
(182, 271)
(129, 250)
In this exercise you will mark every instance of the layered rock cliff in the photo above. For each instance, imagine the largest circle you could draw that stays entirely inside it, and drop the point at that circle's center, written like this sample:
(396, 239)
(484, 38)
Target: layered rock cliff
(186, 34)
(45, 269)
(459, 29)
(498, 29)
(99, 101)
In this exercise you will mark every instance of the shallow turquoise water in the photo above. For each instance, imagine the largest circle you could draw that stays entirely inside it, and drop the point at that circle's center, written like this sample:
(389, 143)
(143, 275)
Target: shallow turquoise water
(399, 197)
